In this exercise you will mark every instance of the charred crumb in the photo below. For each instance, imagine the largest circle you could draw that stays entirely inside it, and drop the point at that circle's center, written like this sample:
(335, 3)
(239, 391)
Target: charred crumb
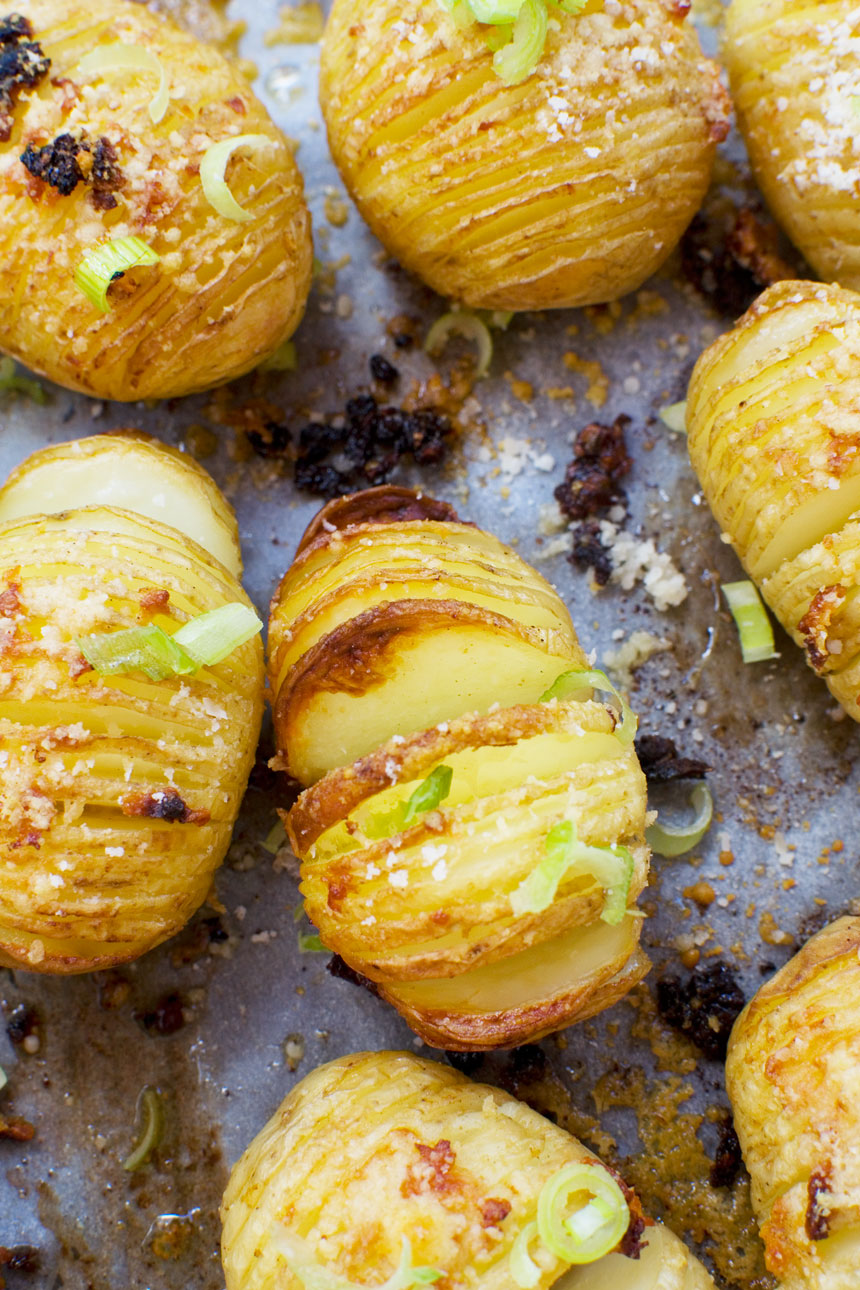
(166, 1018)
(66, 162)
(383, 371)
(196, 938)
(16, 1128)
(727, 1158)
(704, 1007)
(592, 481)
(588, 552)
(660, 762)
(163, 804)
(19, 1258)
(730, 266)
(817, 1221)
(22, 1022)
(114, 990)
(465, 1063)
(22, 65)
(341, 971)
(106, 175)
(270, 438)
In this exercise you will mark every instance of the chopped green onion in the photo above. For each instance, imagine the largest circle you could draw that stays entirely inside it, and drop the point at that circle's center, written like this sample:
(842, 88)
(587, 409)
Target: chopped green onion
(674, 417)
(150, 1112)
(496, 39)
(517, 60)
(570, 683)
(596, 1224)
(460, 12)
(300, 1257)
(572, 6)
(429, 793)
(524, 1271)
(459, 322)
(310, 943)
(12, 383)
(672, 840)
(213, 166)
(137, 649)
(4, 1078)
(611, 866)
(275, 839)
(283, 360)
(101, 266)
(752, 621)
(210, 638)
(132, 58)
(496, 11)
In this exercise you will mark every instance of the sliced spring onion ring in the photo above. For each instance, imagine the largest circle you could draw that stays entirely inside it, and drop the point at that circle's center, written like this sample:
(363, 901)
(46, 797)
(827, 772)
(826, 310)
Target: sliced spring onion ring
(4, 1078)
(459, 322)
(310, 943)
(131, 58)
(150, 1113)
(275, 839)
(104, 263)
(213, 166)
(672, 840)
(596, 1224)
(300, 1258)
(674, 417)
(516, 61)
(524, 1271)
(202, 641)
(210, 638)
(572, 6)
(752, 621)
(284, 359)
(576, 679)
(496, 11)
(429, 793)
(611, 866)
(12, 383)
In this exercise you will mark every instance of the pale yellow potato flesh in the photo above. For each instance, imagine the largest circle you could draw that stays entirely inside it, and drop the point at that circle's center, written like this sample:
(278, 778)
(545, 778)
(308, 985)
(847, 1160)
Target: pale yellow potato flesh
(773, 421)
(569, 188)
(347, 1165)
(795, 81)
(793, 1076)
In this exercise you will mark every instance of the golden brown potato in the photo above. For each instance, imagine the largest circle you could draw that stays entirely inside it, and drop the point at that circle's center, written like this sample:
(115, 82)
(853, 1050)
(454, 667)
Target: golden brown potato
(440, 907)
(395, 616)
(118, 792)
(793, 1076)
(795, 81)
(569, 188)
(774, 435)
(383, 1164)
(106, 160)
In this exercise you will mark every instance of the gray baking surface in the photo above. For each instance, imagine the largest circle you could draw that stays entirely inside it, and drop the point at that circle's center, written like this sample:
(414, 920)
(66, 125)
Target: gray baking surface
(784, 781)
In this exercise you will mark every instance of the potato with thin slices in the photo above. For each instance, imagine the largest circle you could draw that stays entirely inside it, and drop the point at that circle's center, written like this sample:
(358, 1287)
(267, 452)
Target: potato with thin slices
(483, 874)
(154, 238)
(395, 616)
(774, 435)
(387, 1170)
(793, 1076)
(795, 82)
(560, 170)
(130, 699)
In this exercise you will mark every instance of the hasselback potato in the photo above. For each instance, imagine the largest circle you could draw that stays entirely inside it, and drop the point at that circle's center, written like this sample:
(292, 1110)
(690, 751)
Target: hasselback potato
(395, 616)
(795, 81)
(566, 188)
(773, 420)
(118, 788)
(384, 1164)
(108, 136)
(793, 1076)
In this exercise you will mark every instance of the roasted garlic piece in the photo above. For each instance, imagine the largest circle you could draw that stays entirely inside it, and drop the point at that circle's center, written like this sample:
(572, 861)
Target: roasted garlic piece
(484, 873)
(773, 421)
(383, 1169)
(118, 789)
(568, 188)
(793, 1076)
(395, 616)
(795, 82)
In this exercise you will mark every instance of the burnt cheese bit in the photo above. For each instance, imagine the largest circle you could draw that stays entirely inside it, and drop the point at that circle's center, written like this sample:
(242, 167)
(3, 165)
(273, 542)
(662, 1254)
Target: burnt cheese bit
(817, 1220)
(66, 162)
(13, 28)
(704, 1007)
(588, 552)
(163, 804)
(106, 175)
(661, 763)
(22, 65)
(727, 1159)
(592, 481)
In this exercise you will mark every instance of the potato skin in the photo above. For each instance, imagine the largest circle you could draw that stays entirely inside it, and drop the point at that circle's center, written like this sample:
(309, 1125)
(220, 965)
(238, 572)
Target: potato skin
(118, 794)
(224, 295)
(794, 80)
(774, 436)
(793, 1076)
(376, 1146)
(568, 189)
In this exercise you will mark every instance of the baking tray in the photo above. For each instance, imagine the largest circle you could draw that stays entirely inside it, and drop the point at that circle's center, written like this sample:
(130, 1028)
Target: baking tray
(255, 1013)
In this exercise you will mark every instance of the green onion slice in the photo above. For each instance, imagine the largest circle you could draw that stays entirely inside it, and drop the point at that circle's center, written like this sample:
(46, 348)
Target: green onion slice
(611, 866)
(12, 383)
(517, 60)
(131, 58)
(570, 683)
(752, 621)
(99, 267)
(496, 11)
(213, 166)
(460, 12)
(674, 417)
(429, 793)
(672, 840)
(496, 38)
(275, 839)
(201, 642)
(572, 6)
(460, 322)
(524, 1271)
(4, 1078)
(582, 1213)
(310, 943)
(210, 638)
(300, 1257)
(150, 1113)
(284, 359)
